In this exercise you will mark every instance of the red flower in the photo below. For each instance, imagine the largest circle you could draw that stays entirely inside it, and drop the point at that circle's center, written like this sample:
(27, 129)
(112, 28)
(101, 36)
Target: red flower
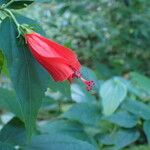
(61, 62)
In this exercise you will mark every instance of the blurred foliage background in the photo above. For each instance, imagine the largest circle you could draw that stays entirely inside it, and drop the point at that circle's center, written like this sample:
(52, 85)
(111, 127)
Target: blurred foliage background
(114, 33)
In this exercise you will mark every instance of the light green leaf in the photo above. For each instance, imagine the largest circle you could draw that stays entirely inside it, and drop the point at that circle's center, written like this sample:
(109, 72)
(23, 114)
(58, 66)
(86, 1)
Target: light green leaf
(80, 94)
(113, 92)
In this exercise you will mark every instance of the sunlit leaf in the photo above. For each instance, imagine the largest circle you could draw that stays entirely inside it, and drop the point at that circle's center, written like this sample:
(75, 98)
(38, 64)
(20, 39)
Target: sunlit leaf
(113, 92)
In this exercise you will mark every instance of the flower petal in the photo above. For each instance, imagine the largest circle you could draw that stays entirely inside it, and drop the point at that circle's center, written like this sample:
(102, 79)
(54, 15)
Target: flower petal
(58, 60)
(49, 48)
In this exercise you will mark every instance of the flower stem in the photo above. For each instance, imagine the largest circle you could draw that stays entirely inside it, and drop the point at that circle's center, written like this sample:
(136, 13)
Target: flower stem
(15, 21)
(13, 17)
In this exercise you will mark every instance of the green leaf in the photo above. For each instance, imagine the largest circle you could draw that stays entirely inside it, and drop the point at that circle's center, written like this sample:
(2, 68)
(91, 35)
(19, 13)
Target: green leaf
(147, 130)
(85, 113)
(62, 87)
(113, 92)
(140, 83)
(138, 108)
(2, 2)
(65, 127)
(28, 77)
(43, 1)
(1, 60)
(122, 119)
(120, 138)
(12, 134)
(17, 4)
(5, 146)
(8, 101)
(138, 147)
(58, 141)
(24, 20)
(80, 94)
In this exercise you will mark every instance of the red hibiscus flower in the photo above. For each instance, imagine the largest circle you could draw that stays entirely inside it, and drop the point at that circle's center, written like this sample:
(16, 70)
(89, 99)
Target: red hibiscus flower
(61, 62)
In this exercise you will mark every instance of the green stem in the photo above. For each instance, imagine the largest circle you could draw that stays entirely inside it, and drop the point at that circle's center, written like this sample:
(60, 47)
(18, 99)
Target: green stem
(6, 5)
(13, 17)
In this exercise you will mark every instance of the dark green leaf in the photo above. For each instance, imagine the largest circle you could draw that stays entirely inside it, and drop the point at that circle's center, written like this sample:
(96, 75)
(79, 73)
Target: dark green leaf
(8, 101)
(28, 77)
(147, 130)
(12, 134)
(3, 2)
(17, 4)
(5, 146)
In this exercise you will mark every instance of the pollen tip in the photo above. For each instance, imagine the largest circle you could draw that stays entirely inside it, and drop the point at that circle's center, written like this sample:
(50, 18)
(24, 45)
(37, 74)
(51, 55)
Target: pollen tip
(89, 85)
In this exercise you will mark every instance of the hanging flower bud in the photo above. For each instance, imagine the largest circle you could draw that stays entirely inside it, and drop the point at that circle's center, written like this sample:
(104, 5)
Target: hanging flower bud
(61, 62)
